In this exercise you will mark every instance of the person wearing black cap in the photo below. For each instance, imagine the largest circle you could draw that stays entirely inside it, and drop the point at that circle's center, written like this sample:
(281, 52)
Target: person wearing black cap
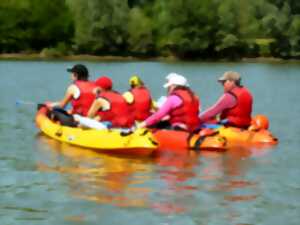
(80, 94)
(234, 106)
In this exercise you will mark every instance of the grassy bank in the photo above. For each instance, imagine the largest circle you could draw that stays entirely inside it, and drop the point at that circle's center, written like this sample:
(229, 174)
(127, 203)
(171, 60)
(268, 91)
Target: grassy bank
(36, 56)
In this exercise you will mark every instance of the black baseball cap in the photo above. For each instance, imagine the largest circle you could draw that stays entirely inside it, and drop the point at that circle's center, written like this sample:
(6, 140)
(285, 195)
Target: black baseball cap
(80, 69)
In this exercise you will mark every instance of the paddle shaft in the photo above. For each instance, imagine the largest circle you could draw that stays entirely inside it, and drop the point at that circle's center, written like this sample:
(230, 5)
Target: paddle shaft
(21, 102)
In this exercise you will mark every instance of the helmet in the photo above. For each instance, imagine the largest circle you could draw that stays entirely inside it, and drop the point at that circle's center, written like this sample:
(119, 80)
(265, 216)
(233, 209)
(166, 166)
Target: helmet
(260, 122)
(135, 81)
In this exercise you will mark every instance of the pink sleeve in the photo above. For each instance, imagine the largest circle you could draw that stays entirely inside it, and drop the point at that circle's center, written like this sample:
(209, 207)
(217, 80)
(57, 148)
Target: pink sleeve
(226, 101)
(172, 102)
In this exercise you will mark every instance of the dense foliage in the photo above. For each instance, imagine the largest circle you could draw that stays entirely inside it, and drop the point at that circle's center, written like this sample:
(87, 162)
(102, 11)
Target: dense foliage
(208, 29)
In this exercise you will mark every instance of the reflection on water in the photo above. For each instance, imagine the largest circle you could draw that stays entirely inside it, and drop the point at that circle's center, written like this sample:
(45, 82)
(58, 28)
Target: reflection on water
(167, 183)
(98, 177)
(71, 186)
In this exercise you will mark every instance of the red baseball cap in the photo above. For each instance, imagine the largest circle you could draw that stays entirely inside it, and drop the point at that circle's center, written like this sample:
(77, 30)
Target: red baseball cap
(104, 82)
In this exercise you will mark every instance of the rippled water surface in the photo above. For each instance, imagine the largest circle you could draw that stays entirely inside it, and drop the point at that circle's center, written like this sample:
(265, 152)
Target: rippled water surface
(46, 182)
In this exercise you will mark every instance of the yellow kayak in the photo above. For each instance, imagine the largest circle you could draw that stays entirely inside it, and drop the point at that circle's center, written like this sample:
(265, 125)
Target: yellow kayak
(139, 142)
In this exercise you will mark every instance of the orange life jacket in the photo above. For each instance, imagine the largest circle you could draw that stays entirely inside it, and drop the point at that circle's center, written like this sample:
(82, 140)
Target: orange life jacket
(119, 113)
(187, 112)
(82, 104)
(240, 114)
(141, 104)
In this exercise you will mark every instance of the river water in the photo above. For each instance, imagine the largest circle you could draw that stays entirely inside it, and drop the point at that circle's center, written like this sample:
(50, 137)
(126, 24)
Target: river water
(46, 182)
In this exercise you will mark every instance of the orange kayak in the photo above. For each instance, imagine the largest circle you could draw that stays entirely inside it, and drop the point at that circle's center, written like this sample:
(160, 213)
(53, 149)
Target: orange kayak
(182, 140)
(236, 136)
(256, 135)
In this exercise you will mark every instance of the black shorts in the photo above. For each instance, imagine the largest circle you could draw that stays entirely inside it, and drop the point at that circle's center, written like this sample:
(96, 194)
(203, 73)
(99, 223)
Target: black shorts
(61, 115)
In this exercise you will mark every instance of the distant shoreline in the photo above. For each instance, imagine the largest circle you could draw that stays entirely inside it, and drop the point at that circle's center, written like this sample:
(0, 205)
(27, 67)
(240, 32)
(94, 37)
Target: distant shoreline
(36, 56)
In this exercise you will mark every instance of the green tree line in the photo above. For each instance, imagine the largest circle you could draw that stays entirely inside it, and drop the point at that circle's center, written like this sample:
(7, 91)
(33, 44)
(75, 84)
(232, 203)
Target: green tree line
(187, 29)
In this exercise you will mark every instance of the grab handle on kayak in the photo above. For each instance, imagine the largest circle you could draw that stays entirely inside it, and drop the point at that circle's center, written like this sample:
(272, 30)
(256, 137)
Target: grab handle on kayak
(126, 133)
(40, 105)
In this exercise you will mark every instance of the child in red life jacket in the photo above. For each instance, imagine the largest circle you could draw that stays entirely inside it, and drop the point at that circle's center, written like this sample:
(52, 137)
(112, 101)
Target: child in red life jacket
(110, 106)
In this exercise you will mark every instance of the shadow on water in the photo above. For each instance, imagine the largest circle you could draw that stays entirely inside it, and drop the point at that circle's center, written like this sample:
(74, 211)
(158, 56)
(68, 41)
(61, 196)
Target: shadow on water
(168, 183)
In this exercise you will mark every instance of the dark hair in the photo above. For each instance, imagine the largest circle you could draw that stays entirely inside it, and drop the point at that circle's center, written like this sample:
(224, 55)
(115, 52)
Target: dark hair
(82, 76)
(188, 89)
(238, 82)
(80, 71)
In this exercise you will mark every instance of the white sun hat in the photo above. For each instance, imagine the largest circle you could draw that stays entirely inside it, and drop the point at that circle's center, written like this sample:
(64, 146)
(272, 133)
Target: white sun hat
(172, 75)
(175, 79)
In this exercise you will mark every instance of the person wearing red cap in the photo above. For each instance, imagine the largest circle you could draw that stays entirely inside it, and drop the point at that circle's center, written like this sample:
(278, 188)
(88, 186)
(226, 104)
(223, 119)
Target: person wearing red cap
(104, 82)
(80, 94)
(110, 106)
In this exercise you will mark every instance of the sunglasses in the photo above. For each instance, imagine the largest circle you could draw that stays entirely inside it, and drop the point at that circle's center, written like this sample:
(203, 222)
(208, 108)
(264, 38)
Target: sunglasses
(222, 82)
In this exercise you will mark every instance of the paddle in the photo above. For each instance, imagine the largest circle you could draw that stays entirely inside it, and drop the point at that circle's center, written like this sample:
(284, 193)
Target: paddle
(21, 102)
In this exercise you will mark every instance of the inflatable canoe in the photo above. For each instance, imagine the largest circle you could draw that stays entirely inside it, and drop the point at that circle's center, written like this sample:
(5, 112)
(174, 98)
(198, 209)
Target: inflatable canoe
(219, 137)
(237, 136)
(139, 142)
(182, 140)
(256, 135)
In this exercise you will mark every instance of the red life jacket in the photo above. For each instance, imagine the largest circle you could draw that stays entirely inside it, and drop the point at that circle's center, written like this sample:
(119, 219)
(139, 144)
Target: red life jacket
(142, 101)
(82, 104)
(240, 114)
(187, 112)
(119, 113)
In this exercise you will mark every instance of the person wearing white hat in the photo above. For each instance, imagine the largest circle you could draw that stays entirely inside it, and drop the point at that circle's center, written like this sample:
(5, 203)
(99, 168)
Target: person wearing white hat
(176, 79)
(181, 106)
(234, 106)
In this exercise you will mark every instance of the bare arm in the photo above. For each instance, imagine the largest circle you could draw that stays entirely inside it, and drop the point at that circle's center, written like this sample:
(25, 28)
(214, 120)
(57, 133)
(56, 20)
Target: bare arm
(129, 98)
(97, 104)
(71, 91)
